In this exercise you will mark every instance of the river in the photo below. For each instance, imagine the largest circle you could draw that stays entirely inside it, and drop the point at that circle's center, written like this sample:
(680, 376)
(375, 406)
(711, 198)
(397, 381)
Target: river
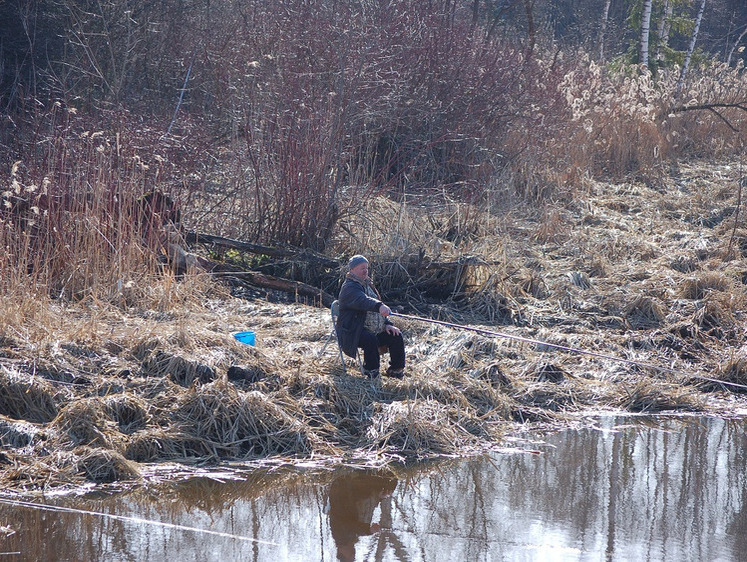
(626, 488)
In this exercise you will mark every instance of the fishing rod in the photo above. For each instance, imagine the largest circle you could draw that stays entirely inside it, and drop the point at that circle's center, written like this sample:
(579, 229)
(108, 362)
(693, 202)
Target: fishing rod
(558, 346)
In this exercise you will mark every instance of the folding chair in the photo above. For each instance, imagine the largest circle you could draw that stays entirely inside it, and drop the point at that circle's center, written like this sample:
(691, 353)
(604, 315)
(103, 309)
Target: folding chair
(335, 313)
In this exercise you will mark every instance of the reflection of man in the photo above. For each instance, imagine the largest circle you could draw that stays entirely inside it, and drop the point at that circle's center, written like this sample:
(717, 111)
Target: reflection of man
(353, 498)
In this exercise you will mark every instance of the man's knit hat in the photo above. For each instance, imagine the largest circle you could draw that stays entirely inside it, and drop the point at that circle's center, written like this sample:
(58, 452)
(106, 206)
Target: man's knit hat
(356, 261)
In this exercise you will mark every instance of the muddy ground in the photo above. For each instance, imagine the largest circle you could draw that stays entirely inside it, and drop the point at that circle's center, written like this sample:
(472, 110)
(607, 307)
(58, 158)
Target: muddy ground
(644, 281)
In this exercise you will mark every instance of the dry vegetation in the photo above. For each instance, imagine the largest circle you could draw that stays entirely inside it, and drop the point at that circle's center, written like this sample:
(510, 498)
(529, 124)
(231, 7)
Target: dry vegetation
(491, 179)
(99, 391)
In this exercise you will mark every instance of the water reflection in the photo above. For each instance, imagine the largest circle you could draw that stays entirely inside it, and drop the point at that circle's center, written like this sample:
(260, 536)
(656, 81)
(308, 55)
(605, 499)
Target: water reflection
(656, 489)
(353, 498)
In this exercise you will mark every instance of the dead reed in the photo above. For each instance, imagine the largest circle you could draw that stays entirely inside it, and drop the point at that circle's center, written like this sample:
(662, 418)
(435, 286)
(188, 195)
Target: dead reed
(416, 429)
(28, 398)
(650, 397)
(105, 466)
(238, 424)
(85, 422)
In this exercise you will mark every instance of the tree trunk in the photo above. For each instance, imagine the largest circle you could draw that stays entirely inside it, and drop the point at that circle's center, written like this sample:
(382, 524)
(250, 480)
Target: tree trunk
(664, 26)
(736, 44)
(691, 47)
(531, 32)
(603, 28)
(645, 32)
(475, 12)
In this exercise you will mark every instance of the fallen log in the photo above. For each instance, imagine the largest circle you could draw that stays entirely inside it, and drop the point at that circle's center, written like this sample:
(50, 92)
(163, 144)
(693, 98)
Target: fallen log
(265, 281)
(259, 249)
(182, 260)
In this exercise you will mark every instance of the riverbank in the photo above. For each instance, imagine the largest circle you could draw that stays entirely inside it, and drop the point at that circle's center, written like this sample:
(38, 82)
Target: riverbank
(647, 272)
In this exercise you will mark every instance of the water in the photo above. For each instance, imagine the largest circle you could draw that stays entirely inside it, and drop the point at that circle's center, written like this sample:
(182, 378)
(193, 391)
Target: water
(627, 489)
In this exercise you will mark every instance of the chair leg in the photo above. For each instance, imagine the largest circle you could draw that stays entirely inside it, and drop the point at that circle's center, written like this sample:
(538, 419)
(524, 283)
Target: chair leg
(342, 359)
(329, 339)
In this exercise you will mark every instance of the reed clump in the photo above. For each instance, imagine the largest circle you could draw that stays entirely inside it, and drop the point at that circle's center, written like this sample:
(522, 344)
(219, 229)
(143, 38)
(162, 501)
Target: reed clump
(734, 370)
(416, 429)
(104, 465)
(241, 424)
(85, 422)
(650, 397)
(644, 312)
(25, 397)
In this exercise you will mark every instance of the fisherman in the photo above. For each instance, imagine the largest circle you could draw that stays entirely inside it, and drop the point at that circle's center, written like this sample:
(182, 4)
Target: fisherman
(364, 323)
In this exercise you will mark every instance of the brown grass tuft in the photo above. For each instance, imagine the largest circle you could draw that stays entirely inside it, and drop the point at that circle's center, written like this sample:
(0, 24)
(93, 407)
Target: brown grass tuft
(104, 466)
(239, 424)
(734, 370)
(180, 370)
(715, 319)
(643, 313)
(16, 434)
(24, 397)
(85, 422)
(416, 429)
(159, 444)
(699, 287)
(129, 411)
(648, 396)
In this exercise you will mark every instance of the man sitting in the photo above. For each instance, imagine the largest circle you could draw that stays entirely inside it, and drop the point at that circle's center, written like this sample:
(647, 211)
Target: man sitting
(364, 322)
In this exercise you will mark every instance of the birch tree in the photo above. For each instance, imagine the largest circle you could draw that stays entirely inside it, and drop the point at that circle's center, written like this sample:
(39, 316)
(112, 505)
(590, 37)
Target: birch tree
(665, 25)
(691, 46)
(645, 32)
(736, 45)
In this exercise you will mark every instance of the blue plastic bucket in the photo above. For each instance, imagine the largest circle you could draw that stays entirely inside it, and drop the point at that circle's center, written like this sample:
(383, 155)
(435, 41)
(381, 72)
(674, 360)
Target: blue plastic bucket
(245, 337)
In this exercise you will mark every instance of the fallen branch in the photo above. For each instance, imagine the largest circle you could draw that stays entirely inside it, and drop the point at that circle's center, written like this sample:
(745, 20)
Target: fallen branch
(278, 284)
(181, 261)
(713, 108)
(259, 249)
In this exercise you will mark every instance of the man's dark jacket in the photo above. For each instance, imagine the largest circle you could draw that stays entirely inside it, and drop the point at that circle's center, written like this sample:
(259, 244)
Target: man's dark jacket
(354, 304)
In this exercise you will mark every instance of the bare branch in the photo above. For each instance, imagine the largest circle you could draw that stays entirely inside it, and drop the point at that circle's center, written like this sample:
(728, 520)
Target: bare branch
(713, 107)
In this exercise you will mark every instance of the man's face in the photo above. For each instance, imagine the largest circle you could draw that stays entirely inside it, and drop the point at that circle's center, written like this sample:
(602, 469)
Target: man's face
(360, 270)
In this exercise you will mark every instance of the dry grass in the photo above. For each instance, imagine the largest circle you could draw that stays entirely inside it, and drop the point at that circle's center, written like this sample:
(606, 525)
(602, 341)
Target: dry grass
(652, 397)
(416, 429)
(644, 312)
(697, 288)
(241, 424)
(105, 466)
(733, 370)
(25, 397)
(96, 391)
(85, 422)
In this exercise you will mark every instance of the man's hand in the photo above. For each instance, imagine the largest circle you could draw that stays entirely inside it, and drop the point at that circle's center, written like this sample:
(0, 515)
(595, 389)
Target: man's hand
(393, 330)
(384, 310)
